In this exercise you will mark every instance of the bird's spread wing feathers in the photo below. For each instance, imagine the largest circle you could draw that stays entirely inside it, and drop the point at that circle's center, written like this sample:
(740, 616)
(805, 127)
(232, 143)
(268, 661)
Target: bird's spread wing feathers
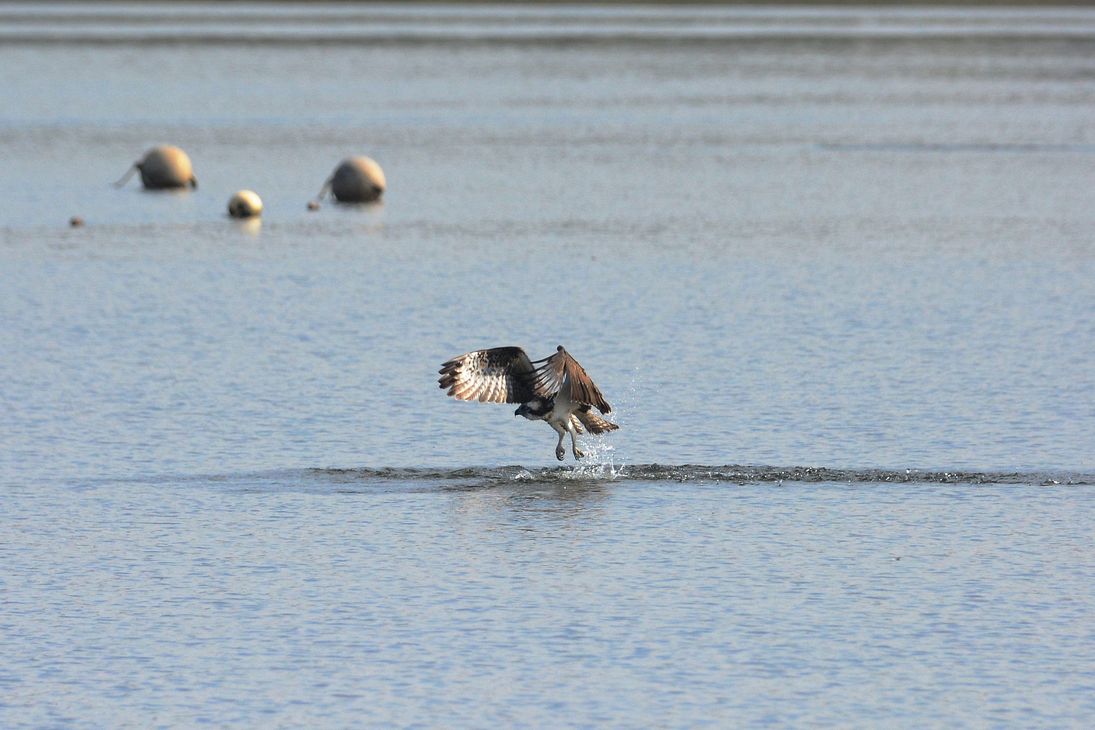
(506, 375)
(561, 370)
(497, 375)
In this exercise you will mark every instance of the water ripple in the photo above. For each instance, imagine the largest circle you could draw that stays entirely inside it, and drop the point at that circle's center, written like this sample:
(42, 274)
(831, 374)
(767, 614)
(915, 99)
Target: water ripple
(735, 473)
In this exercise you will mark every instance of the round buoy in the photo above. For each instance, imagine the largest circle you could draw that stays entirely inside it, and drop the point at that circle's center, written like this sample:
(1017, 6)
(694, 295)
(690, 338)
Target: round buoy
(245, 204)
(356, 180)
(76, 221)
(163, 168)
(313, 205)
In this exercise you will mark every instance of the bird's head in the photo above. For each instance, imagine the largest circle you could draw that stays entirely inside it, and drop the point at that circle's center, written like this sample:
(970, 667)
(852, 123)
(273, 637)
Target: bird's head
(522, 411)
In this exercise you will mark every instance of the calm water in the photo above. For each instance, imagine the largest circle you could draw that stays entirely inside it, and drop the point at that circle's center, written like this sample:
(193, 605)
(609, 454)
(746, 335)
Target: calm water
(844, 258)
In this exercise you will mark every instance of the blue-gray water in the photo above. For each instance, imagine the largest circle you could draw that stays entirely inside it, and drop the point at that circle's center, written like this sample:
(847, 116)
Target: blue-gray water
(835, 269)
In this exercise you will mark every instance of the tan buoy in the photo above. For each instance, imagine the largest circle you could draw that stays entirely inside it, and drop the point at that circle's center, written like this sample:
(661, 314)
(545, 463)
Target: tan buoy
(245, 204)
(355, 180)
(163, 168)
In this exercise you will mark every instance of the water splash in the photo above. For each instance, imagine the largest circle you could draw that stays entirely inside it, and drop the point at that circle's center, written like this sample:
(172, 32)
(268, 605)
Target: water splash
(599, 461)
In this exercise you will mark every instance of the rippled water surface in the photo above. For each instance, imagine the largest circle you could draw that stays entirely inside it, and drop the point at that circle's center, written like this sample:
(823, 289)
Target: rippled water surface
(833, 269)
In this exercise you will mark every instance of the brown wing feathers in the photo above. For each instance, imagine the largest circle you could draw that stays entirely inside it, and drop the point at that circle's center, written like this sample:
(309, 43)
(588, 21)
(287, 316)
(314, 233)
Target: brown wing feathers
(564, 368)
(506, 375)
(497, 375)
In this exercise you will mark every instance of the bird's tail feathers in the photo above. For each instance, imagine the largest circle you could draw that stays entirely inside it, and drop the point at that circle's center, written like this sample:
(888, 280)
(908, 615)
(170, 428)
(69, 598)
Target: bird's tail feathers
(594, 423)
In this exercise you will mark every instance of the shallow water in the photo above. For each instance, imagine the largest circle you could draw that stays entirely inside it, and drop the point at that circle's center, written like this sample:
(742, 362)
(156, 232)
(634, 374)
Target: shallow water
(832, 268)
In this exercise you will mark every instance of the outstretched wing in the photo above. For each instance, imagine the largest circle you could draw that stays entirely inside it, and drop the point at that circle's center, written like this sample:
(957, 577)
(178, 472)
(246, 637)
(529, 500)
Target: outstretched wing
(497, 375)
(561, 370)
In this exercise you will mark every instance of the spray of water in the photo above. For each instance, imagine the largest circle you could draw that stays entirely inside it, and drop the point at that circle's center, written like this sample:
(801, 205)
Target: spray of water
(599, 461)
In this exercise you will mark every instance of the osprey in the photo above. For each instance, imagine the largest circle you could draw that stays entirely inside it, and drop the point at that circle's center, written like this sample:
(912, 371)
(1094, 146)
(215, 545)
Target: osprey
(555, 389)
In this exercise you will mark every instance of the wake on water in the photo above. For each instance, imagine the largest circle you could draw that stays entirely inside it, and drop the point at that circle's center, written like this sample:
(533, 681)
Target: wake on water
(602, 468)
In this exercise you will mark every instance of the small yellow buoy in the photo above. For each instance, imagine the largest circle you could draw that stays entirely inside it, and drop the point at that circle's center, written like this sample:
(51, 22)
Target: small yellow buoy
(356, 180)
(163, 168)
(245, 204)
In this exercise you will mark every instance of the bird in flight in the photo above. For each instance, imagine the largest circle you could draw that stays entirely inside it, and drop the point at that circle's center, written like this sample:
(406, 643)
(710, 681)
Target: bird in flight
(555, 389)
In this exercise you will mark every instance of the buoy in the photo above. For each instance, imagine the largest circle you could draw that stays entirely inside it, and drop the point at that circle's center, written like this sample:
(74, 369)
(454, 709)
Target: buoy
(245, 204)
(313, 205)
(163, 168)
(76, 221)
(355, 180)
